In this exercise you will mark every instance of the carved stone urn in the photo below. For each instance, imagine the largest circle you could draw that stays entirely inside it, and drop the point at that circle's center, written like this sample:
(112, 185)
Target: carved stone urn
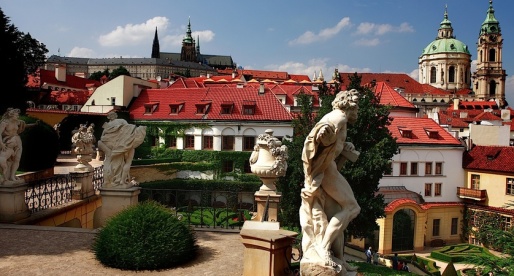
(268, 160)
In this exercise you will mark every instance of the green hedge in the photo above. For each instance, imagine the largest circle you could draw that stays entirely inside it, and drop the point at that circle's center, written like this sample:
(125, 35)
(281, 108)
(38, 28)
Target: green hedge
(204, 185)
(457, 253)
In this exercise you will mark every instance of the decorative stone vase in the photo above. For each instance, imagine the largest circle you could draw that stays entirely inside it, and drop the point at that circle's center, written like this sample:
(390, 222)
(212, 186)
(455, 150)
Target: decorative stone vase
(268, 160)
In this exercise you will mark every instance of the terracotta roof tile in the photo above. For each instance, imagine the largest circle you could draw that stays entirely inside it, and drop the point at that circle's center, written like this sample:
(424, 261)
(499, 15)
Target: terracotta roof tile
(389, 96)
(486, 116)
(419, 134)
(489, 158)
(267, 106)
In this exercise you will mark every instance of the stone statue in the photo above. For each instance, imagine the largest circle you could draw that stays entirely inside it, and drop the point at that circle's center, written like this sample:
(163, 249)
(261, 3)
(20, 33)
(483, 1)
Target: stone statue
(119, 141)
(268, 159)
(83, 140)
(10, 145)
(328, 202)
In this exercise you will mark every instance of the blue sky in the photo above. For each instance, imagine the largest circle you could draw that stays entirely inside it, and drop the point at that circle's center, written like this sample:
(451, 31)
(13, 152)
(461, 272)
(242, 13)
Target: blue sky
(299, 37)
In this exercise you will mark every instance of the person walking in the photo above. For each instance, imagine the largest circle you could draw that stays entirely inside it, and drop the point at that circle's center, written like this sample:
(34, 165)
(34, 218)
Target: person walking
(375, 258)
(395, 261)
(369, 254)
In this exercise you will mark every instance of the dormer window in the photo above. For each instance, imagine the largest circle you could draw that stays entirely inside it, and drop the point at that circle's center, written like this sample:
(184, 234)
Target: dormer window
(175, 108)
(227, 107)
(249, 107)
(202, 107)
(150, 107)
(432, 133)
(405, 132)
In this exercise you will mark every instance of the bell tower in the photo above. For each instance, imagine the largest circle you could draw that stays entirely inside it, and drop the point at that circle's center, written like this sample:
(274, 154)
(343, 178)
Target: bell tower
(188, 52)
(489, 77)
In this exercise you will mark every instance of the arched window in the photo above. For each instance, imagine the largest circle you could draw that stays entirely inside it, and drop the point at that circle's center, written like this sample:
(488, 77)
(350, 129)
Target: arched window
(433, 75)
(492, 88)
(492, 55)
(451, 74)
(480, 55)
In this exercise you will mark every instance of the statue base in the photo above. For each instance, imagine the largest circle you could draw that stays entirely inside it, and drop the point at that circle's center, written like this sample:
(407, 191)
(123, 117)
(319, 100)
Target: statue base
(114, 201)
(267, 252)
(12, 202)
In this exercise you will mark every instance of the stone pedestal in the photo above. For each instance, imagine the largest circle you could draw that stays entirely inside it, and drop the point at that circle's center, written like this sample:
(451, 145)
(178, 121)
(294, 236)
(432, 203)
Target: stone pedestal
(12, 203)
(267, 252)
(83, 165)
(261, 199)
(115, 200)
(83, 184)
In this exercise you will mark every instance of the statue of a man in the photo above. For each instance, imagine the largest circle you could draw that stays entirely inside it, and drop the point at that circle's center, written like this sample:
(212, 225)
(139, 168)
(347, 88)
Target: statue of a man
(328, 202)
(10, 144)
(119, 141)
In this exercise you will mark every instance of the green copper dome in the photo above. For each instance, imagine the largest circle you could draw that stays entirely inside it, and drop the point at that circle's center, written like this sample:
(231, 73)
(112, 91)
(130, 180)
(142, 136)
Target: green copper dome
(445, 45)
(490, 24)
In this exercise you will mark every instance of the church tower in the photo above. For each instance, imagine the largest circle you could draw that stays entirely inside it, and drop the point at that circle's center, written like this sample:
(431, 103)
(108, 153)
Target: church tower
(188, 52)
(446, 62)
(155, 46)
(489, 77)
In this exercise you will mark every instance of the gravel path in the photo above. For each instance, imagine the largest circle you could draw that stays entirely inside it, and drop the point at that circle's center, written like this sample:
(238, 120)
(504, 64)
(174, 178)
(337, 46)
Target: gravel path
(37, 250)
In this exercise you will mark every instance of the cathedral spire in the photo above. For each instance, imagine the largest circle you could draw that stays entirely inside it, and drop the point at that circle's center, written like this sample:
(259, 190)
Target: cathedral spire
(155, 46)
(445, 28)
(491, 24)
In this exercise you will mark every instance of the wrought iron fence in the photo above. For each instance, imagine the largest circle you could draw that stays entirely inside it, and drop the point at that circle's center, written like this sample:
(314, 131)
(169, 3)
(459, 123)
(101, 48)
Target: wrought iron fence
(98, 177)
(205, 209)
(45, 193)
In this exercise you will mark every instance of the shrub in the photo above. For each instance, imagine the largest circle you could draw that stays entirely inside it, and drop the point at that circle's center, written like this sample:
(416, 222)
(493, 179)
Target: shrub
(145, 237)
(40, 146)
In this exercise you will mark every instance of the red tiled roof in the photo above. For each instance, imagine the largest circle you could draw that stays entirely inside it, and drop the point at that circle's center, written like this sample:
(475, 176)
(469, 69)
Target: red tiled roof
(267, 106)
(395, 80)
(486, 116)
(429, 89)
(445, 119)
(500, 210)
(480, 105)
(419, 134)
(389, 96)
(66, 97)
(393, 205)
(48, 77)
(489, 158)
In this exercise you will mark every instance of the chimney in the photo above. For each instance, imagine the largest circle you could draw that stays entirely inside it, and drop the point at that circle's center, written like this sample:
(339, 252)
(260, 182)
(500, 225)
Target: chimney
(208, 75)
(455, 104)
(60, 73)
(233, 75)
(261, 88)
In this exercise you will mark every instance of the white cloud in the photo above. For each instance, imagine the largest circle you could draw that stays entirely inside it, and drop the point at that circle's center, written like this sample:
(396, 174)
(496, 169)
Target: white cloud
(367, 42)
(133, 33)
(414, 74)
(81, 52)
(365, 28)
(314, 65)
(205, 36)
(509, 90)
(325, 34)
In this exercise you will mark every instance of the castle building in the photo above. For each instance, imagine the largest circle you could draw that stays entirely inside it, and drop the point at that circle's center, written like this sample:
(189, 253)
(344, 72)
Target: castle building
(190, 52)
(489, 77)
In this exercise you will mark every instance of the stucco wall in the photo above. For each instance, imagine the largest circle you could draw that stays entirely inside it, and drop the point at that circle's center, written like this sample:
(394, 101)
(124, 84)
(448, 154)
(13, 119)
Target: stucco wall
(152, 173)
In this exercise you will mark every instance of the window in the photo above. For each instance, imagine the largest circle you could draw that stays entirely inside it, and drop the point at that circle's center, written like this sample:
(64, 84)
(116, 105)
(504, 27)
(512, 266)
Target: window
(113, 100)
(510, 186)
(414, 168)
(228, 166)
(435, 227)
(174, 110)
(200, 109)
(226, 107)
(207, 142)
(190, 141)
(428, 168)
(451, 74)
(150, 107)
(438, 168)
(248, 142)
(455, 226)
(506, 223)
(492, 55)
(227, 143)
(475, 182)
(433, 75)
(428, 189)
(437, 189)
(249, 110)
(403, 168)
(172, 141)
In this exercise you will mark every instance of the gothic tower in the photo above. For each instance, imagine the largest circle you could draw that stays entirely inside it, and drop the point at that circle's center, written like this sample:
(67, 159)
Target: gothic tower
(489, 77)
(188, 52)
(155, 46)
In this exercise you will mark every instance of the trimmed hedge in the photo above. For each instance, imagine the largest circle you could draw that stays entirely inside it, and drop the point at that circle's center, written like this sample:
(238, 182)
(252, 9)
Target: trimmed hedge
(457, 253)
(204, 185)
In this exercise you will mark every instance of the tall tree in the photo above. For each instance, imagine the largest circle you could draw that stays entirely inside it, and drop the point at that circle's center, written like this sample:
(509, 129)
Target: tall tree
(99, 74)
(118, 72)
(21, 55)
(292, 183)
(372, 138)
